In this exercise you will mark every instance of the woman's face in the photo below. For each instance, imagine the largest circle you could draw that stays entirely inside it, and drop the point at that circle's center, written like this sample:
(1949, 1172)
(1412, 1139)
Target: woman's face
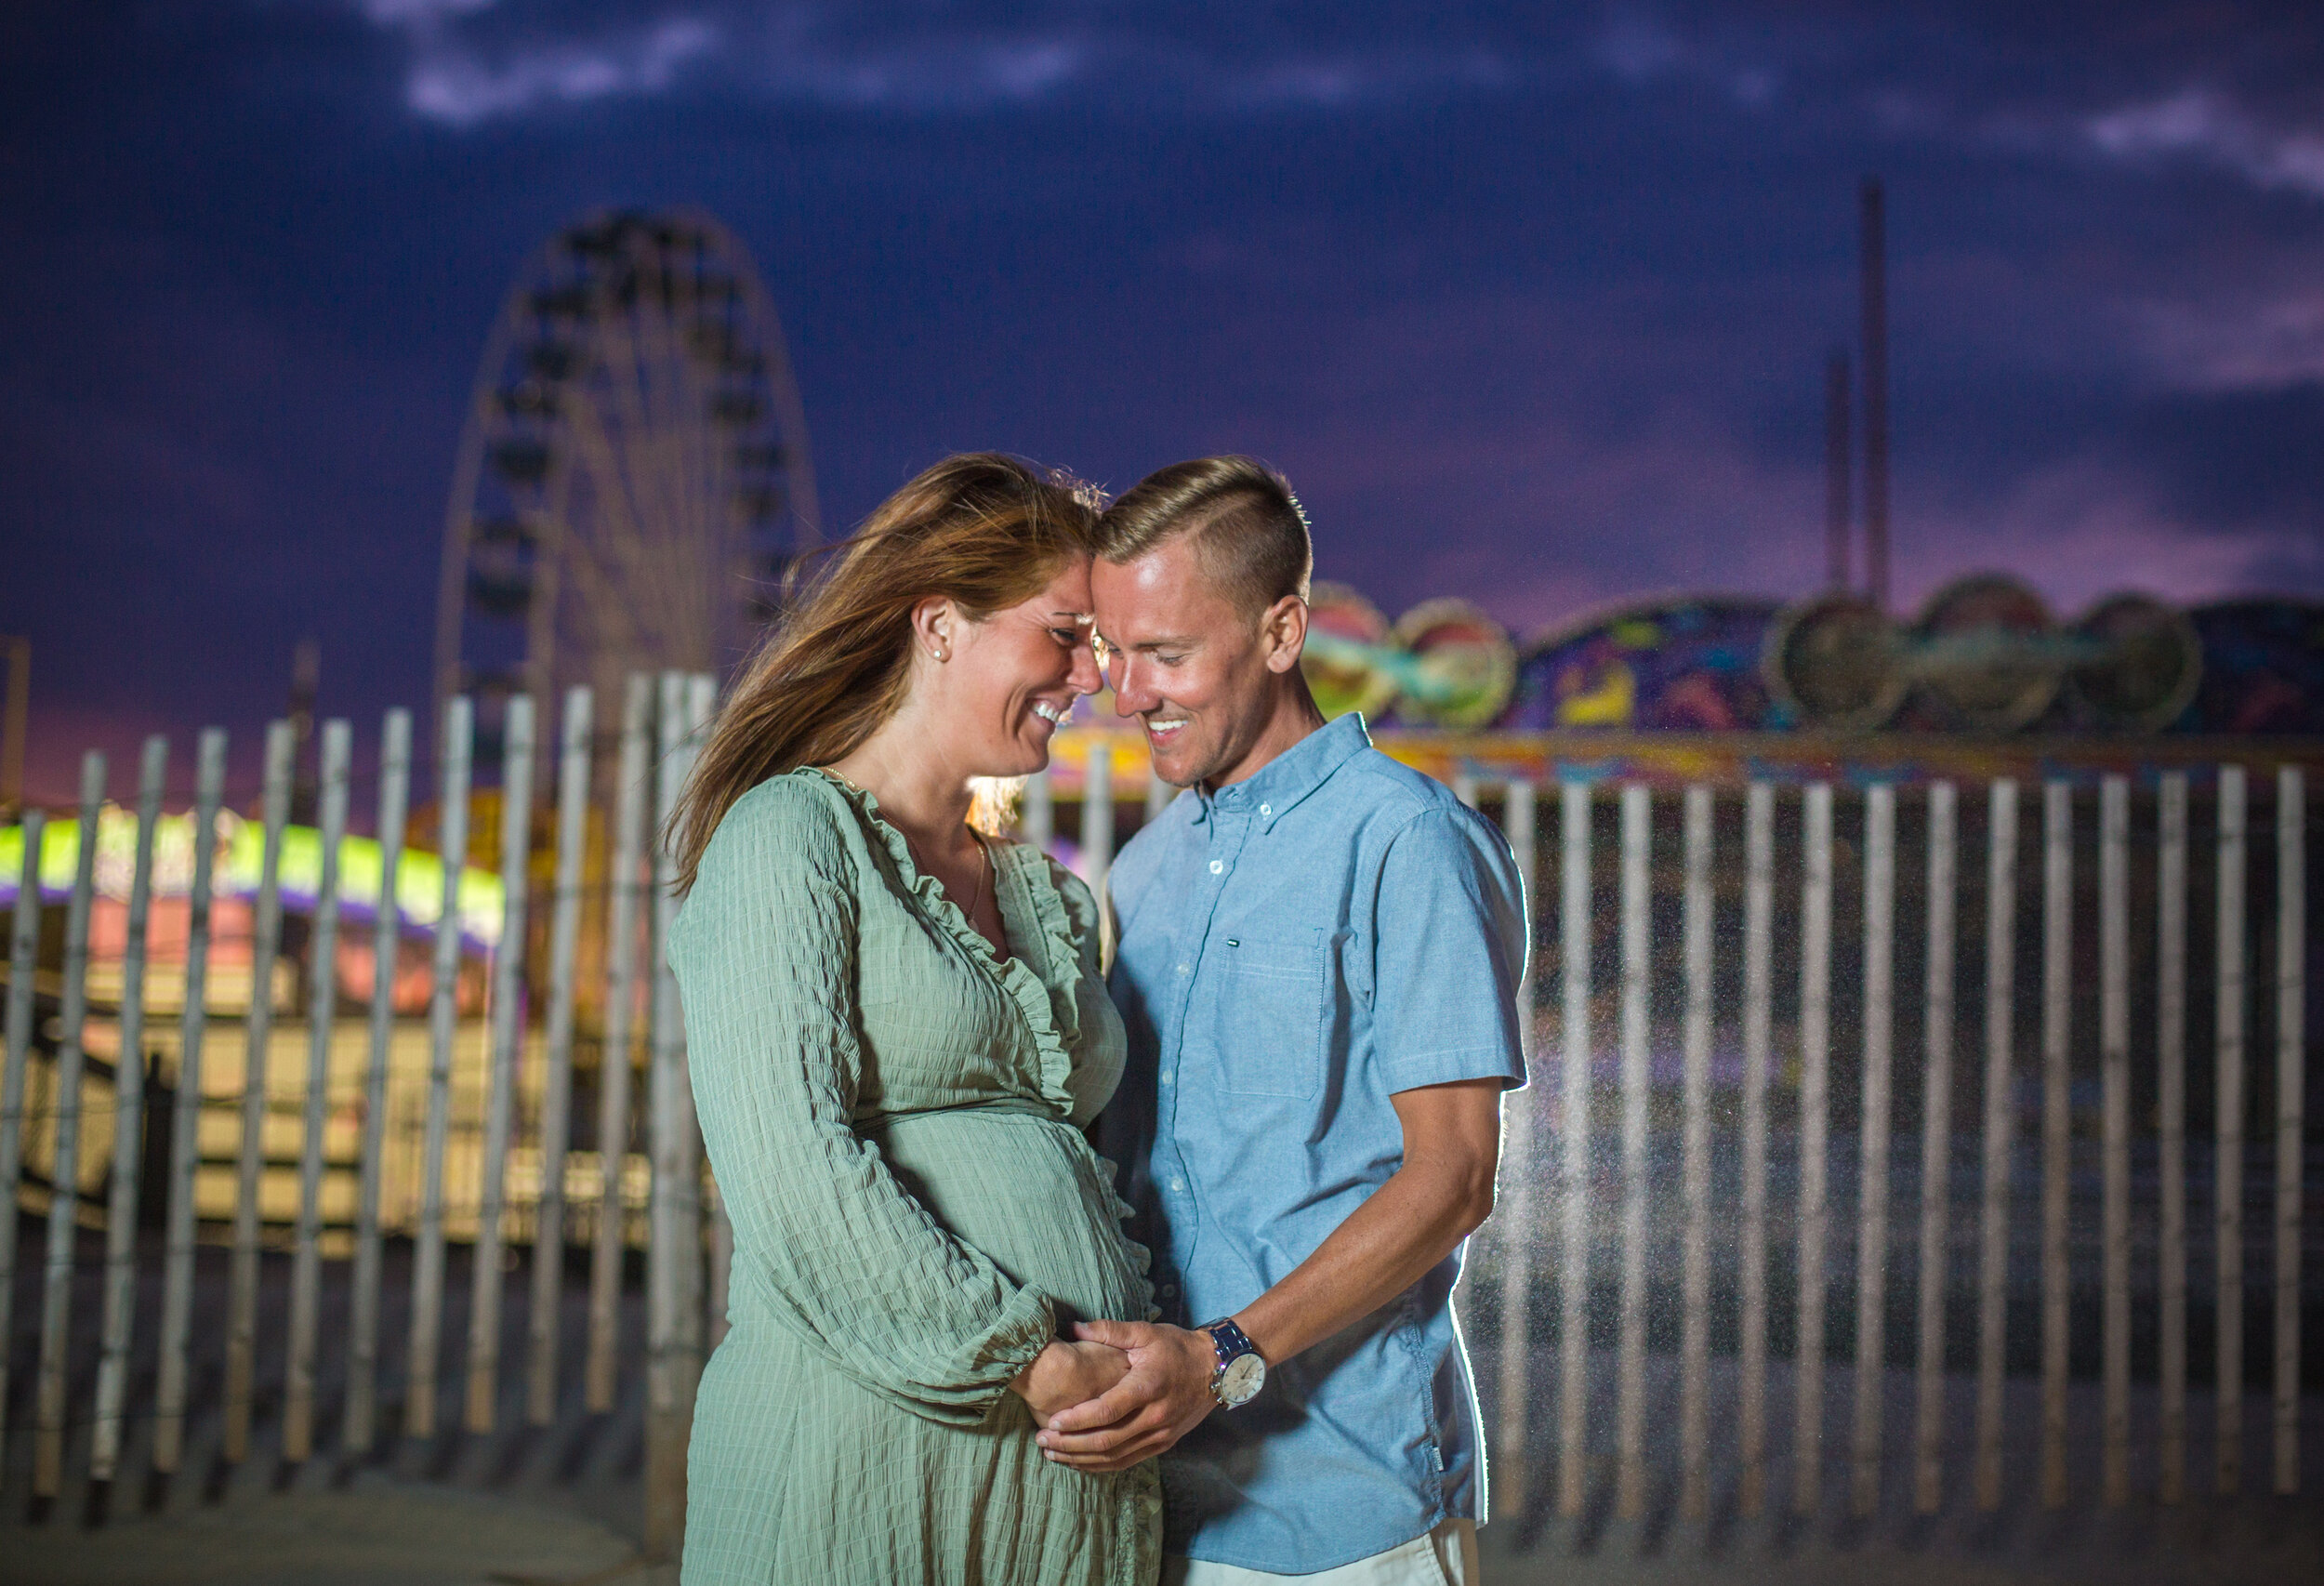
(1013, 677)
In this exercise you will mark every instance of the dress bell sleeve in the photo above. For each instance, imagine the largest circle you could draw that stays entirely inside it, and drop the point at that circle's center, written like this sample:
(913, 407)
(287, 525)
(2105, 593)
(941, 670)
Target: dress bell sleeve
(765, 953)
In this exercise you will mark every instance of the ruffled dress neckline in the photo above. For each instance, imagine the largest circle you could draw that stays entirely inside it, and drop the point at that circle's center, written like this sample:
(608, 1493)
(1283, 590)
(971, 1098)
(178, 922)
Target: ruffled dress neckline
(1044, 996)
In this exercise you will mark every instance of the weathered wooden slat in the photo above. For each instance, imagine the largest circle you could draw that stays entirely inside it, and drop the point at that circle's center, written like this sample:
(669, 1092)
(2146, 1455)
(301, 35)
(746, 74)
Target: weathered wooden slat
(1037, 811)
(2227, 1059)
(298, 1399)
(1096, 816)
(443, 1012)
(1937, 1152)
(2171, 1123)
(1637, 1093)
(56, 1309)
(614, 1065)
(1880, 959)
(2000, 1128)
(1807, 1435)
(1759, 934)
(23, 958)
(359, 1429)
(2114, 1046)
(2057, 1138)
(548, 1224)
(185, 1123)
(121, 1214)
(1517, 1210)
(721, 1262)
(507, 1058)
(242, 1301)
(1573, 1172)
(2291, 946)
(702, 698)
(674, 1243)
(1695, 1087)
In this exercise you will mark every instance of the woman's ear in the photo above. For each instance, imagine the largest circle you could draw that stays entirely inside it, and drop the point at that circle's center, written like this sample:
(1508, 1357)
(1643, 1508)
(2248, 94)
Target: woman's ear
(933, 621)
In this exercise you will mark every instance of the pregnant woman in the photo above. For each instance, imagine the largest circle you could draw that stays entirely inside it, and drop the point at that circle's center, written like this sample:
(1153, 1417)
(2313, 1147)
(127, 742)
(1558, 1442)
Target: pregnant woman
(897, 1030)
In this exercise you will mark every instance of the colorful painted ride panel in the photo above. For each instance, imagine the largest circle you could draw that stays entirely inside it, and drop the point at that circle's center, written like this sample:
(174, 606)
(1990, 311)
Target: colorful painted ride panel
(1679, 663)
(2263, 669)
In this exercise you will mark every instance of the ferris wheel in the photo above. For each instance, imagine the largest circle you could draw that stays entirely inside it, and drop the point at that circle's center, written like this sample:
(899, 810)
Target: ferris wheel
(633, 484)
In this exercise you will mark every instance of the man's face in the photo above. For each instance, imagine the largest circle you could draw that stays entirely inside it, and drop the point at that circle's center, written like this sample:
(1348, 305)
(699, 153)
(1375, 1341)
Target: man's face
(1185, 660)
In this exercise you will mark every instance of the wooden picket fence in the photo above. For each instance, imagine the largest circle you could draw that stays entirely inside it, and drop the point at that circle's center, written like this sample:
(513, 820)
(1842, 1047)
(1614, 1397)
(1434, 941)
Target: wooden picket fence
(1586, 1197)
(1587, 1207)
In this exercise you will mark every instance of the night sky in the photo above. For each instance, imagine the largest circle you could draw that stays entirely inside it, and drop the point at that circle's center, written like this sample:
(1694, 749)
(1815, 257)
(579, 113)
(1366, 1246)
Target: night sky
(1532, 308)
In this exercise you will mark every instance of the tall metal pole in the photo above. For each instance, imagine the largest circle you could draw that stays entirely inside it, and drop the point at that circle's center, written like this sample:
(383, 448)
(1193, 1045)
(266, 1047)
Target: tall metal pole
(1875, 335)
(14, 716)
(1839, 472)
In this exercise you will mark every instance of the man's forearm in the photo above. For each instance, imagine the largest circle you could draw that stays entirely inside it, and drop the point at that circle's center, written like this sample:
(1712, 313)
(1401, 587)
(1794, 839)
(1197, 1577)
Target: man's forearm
(1409, 1224)
(1451, 1145)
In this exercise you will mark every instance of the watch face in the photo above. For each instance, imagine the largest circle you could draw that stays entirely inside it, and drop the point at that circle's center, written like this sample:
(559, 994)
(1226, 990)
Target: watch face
(1241, 1380)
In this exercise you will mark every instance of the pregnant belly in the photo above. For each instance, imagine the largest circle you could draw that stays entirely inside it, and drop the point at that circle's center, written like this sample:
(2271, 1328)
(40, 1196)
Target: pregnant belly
(1024, 1189)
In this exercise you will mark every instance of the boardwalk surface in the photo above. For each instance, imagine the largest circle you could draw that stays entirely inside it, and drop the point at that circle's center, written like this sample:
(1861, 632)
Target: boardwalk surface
(561, 1503)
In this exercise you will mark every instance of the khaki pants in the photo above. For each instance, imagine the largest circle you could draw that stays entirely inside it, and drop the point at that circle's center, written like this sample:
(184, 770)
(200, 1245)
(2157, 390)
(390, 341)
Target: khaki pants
(1447, 1556)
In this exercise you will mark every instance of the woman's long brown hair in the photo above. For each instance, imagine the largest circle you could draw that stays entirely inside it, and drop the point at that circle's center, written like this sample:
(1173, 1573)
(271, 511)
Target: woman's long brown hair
(983, 530)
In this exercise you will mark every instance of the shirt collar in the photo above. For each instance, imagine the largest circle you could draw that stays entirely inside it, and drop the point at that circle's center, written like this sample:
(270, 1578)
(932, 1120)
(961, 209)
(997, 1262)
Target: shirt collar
(1292, 776)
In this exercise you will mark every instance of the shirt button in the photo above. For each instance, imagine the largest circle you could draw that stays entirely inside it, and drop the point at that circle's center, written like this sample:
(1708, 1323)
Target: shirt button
(1177, 1186)
(1168, 1291)
(1266, 809)
(1167, 1077)
(1182, 969)
(1216, 867)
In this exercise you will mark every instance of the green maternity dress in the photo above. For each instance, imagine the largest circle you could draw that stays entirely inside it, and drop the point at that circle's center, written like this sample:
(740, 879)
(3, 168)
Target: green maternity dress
(892, 1112)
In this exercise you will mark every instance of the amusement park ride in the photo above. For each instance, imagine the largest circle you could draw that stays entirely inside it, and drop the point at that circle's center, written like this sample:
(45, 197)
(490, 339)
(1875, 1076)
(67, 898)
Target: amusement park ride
(634, 485)
(634, 489)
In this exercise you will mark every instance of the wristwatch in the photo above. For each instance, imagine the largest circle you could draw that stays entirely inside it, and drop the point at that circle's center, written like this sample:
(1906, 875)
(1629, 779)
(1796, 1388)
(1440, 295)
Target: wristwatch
(1241, 1372)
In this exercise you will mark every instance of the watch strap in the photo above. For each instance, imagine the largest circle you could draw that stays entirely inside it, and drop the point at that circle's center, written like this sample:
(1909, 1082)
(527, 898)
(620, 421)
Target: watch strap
(1231, 1343)
(1229, 1339)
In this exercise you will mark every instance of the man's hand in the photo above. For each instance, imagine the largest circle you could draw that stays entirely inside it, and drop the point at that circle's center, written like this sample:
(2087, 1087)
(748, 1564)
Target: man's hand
(1065, 1375)
(1164, 1395)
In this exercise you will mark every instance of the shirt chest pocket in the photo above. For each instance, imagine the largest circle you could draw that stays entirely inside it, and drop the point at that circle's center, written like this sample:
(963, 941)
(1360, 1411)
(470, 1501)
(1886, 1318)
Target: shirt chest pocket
(1269, 998)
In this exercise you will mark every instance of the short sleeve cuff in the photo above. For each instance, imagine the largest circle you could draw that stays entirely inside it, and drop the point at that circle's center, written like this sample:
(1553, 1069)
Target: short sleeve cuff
(1453, 1065)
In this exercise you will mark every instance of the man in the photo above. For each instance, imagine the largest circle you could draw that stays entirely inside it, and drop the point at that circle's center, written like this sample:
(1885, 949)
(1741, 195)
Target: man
(1318, 961)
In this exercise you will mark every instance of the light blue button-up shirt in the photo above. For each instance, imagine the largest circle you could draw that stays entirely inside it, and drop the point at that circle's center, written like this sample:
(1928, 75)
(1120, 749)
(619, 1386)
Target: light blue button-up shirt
(1294, 951)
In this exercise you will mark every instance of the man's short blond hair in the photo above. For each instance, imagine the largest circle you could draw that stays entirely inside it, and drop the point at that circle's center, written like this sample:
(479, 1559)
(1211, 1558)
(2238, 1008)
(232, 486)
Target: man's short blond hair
(1251, 532)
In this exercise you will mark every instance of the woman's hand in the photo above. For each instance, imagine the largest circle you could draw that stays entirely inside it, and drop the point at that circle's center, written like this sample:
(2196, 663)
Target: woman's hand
(1067, 1374)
